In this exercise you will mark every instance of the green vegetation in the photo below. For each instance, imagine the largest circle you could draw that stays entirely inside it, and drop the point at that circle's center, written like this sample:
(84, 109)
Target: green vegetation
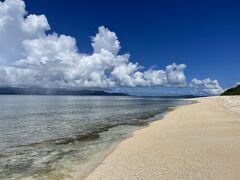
(232, 91)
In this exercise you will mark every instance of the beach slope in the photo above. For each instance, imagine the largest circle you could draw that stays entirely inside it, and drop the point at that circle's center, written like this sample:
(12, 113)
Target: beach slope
(197, 141)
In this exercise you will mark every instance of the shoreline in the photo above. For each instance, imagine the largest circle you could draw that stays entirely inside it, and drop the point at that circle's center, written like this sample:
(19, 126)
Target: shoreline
(139, 156)
(103, 155)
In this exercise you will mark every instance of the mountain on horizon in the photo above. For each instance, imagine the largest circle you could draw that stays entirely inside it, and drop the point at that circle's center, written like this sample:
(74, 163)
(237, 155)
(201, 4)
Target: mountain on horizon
(54, 91)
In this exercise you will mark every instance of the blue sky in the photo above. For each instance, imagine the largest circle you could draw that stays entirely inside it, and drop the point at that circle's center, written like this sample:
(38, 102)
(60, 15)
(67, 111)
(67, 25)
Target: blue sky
(204, 35)
(83, 44)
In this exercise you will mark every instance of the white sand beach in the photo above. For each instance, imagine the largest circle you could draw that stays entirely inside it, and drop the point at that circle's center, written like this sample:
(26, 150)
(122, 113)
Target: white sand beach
(197, 141)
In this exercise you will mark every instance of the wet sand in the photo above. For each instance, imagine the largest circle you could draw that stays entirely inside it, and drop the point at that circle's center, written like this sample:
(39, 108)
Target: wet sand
(197, 141)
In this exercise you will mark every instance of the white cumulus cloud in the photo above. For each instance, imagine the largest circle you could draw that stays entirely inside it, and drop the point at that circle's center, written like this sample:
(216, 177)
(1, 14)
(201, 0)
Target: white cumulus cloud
(105, 40)
(31, 56)
(206, 86)
(15, 28)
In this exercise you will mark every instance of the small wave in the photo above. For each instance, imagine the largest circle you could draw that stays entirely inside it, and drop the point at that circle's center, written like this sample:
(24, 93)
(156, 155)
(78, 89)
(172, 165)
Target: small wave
(83, 137)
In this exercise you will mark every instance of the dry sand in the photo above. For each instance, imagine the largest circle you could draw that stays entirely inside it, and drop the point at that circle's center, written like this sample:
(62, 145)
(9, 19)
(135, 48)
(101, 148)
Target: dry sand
(197, 141)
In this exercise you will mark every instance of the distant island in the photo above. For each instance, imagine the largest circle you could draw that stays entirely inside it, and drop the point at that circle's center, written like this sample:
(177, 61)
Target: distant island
(232, 91)
(54, 91)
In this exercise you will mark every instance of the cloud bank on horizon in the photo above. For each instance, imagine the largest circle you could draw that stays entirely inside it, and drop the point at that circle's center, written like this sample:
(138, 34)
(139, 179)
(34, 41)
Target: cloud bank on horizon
(30, 56)
(205, 86)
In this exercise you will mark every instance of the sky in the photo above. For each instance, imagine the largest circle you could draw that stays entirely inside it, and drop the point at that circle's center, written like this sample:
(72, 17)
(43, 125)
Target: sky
(179, 46)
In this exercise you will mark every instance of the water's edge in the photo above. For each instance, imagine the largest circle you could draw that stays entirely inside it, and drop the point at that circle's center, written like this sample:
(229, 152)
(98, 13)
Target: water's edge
(113, 147)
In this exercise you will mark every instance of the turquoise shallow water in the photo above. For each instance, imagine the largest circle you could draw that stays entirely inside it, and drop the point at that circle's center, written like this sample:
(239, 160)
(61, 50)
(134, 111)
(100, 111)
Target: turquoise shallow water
(52, 137)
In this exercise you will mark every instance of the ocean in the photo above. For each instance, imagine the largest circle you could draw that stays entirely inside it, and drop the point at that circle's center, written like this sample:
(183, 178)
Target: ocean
(62, 137)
